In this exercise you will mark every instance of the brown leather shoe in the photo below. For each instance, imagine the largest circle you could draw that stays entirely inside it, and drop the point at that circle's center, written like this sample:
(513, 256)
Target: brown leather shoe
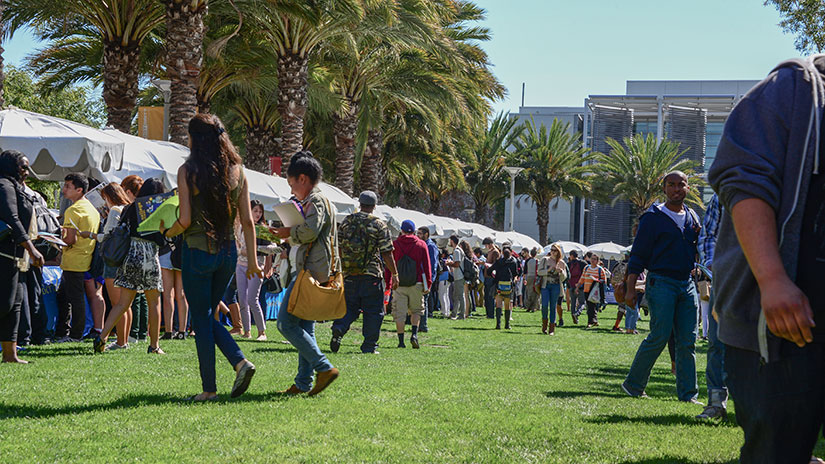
(544, 326)
(322, 381)
(551, 329)
(293, 390)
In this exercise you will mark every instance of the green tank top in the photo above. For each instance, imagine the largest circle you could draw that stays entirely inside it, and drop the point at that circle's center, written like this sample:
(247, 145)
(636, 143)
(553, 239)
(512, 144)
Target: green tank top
(196, 236)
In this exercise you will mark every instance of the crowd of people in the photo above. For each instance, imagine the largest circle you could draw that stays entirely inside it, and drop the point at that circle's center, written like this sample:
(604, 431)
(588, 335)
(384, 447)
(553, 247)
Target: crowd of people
(762, 316)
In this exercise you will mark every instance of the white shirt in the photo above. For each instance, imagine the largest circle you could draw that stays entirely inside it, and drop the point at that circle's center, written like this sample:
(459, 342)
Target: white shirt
(678, 218)
(458, 257)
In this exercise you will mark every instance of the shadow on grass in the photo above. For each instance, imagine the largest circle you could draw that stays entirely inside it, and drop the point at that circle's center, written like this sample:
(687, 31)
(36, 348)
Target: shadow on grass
(473, 328)
(667, 419)
(580, 394)
(11, 411)
(54, 352)
(671, 460)
(274, 349)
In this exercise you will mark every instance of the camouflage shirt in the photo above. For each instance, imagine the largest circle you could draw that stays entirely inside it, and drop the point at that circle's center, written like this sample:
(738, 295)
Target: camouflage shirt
(362, 238)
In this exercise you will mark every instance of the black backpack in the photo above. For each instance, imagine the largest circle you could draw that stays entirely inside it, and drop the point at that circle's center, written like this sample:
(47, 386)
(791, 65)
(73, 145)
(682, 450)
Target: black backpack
(470, 271)
(407, 271)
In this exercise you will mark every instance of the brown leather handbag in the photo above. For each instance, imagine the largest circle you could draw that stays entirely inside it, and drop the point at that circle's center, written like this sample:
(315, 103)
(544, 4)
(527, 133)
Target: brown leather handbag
(312, 301)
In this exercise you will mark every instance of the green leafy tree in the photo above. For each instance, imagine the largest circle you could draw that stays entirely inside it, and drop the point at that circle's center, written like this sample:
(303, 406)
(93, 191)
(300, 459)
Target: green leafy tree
(486, 179)
(804, 19)
(555, 165)
(634, 170)
(120, 26)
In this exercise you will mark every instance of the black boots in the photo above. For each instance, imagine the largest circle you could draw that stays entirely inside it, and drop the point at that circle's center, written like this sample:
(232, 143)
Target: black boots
(507, 319)
(498, 319)
(544, 326)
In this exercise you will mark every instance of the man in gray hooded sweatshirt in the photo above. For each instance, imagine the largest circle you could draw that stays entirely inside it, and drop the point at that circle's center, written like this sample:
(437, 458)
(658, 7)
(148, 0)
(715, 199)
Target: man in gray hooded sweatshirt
(770, 262)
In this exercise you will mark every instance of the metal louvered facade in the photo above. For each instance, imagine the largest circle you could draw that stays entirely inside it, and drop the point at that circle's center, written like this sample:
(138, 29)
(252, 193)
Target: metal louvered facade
(606, 223)
(688, 127)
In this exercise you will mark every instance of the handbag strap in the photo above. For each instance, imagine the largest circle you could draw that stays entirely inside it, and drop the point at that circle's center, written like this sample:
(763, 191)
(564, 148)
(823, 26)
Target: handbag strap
(334, 238)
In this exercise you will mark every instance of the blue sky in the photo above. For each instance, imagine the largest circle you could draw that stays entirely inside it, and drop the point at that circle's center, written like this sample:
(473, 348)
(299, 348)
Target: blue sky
(565, 50)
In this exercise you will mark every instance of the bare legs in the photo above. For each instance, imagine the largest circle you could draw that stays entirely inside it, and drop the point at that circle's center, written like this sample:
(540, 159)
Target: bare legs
(94, 293)
(173, 292)
(122, 306)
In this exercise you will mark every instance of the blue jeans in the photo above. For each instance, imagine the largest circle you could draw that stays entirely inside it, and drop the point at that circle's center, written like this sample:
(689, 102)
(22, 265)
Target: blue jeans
(363, 293)
(715, 370)
(549, 297)
(301, 334)
(779, 405)
(672, 310)
(205, 277)
(631, 315)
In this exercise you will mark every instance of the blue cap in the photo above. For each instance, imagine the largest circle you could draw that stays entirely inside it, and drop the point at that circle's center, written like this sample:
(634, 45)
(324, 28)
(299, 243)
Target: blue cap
(408, 226)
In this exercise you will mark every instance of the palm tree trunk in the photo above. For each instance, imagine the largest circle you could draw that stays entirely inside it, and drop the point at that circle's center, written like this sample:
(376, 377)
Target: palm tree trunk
(184, 42)
(2, 35)
(260, 145)
(292, 104)
(373, 171)
(120, 83)
(480, 215)
(344, 127)
(543, 219)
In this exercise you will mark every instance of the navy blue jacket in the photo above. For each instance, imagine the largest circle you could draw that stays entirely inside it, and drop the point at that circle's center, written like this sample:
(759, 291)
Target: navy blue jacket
(661, 248)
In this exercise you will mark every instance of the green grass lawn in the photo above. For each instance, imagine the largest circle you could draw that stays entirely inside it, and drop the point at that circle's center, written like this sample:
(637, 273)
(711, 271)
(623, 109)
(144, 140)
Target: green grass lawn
(470, 394)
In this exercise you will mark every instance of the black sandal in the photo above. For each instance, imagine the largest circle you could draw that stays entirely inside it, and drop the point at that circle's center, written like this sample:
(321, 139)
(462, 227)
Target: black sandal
(157, 350)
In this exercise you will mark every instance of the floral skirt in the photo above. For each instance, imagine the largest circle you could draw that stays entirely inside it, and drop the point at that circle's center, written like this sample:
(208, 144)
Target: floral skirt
(141, 269)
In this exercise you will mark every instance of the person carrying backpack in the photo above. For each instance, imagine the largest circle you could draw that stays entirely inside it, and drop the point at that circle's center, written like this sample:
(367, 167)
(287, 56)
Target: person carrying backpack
(414, 281)
(366, 247)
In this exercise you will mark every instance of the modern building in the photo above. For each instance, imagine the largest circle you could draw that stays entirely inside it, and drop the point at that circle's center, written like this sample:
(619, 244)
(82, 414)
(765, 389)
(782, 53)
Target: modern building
(692, 113)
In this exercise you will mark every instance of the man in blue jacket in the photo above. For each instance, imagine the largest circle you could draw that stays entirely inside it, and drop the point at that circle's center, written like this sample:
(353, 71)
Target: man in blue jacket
(432, 250)
(770, 260)
(665, 245)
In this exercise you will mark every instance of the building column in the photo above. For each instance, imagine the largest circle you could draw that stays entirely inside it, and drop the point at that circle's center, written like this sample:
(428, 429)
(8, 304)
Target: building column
(660, 120)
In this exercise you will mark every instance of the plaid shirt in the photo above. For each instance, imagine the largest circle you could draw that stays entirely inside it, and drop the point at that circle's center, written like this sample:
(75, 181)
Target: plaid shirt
(710, 230)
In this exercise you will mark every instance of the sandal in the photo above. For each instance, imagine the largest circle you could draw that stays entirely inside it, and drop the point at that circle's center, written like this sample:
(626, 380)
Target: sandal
(157, 350)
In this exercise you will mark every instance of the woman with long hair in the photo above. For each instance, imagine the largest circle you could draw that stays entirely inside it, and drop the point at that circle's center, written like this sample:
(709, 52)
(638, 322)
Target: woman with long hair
(213, 190)
(17, 212)
(116, 199)
(315, 249)
(469, 306)
(552, 272)
(140, 272)
(249, 288)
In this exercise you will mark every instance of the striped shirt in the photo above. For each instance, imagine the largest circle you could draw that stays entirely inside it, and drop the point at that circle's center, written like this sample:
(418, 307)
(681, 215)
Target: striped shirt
(592, 274)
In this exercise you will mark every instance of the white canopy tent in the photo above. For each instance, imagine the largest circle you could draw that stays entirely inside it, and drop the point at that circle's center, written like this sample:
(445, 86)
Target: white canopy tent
(567, 247)
(395, 216)
(148, 158)
(518, 240)
(56, 147)
(608, 250)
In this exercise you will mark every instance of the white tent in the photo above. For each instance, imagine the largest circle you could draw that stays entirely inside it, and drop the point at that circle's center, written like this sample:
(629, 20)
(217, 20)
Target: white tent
(148, 158)
(608, 250)
(342, 202)
(56, 147)
(453, 227)
(518, 240)
(567, 247)
(395, 216)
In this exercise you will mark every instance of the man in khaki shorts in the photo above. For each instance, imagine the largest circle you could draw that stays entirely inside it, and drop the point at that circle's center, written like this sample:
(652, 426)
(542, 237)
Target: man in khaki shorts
(414, 281)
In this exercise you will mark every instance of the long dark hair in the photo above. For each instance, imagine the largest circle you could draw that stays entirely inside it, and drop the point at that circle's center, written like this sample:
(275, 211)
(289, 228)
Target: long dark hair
(208, 169)
(11, 162)
(253, 204)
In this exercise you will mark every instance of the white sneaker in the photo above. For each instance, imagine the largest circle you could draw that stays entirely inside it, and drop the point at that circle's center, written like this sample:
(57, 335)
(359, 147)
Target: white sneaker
(114, 346)
(261, 338)
(132, 340)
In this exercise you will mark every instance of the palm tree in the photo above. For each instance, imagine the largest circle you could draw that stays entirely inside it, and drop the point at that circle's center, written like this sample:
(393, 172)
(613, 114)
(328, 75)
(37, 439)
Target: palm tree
(184, 52)
(484, 171)
(259, 113)
(634, 171)
(555, 167)
(295, 29)
(120, 26)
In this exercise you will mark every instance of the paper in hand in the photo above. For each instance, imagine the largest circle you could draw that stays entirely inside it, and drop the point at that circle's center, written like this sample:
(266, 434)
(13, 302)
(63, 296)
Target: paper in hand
(289, 214)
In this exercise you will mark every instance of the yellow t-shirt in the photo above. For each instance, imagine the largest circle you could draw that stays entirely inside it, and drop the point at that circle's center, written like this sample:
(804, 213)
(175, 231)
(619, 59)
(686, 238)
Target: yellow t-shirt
(80, 216)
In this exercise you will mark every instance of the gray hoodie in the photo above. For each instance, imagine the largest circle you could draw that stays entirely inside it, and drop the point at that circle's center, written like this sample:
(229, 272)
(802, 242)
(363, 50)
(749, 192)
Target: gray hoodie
(769, 149)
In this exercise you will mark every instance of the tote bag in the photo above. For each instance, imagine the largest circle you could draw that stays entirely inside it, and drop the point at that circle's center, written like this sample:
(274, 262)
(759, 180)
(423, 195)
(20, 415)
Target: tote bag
(312, 301)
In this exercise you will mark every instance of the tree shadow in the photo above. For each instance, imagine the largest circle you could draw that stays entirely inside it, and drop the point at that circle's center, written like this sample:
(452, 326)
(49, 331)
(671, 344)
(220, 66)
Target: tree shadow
(671, 460)
(580, 394)
(11, 411)
(666, 419)
(51, 352)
